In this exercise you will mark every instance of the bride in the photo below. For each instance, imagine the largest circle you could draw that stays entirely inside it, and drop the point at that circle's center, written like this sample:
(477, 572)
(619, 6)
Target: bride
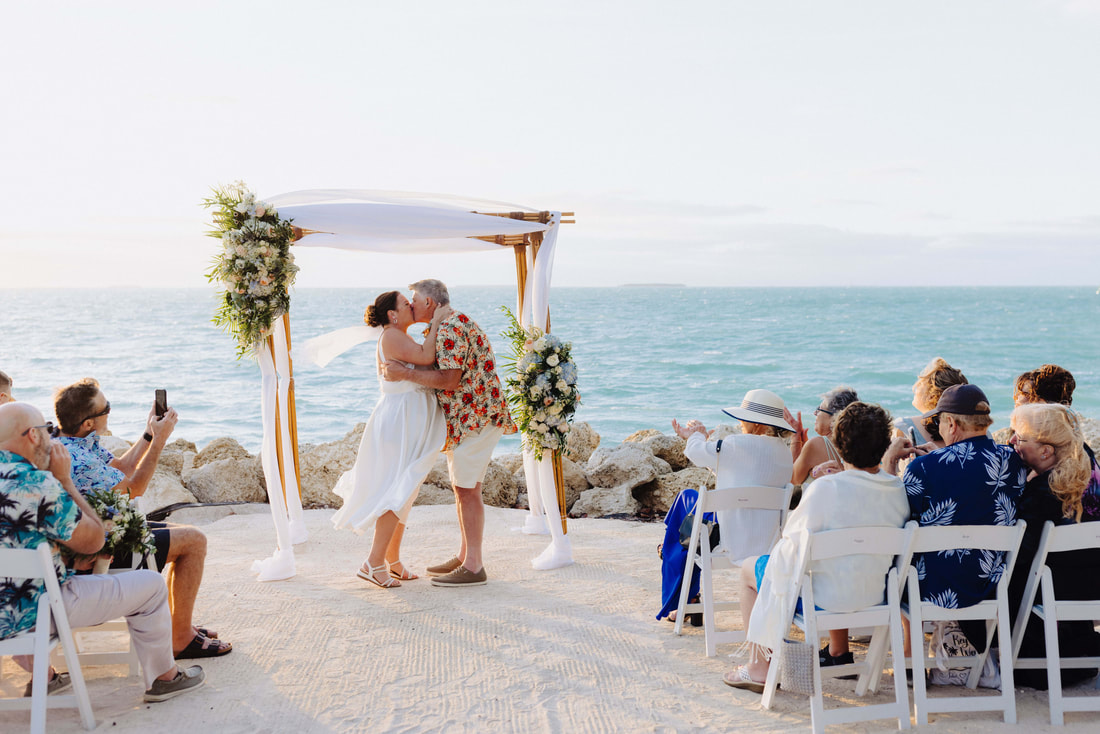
(400, 444)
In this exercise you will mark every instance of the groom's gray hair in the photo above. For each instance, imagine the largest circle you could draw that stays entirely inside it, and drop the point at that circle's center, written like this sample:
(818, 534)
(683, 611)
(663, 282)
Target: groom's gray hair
(433, 289)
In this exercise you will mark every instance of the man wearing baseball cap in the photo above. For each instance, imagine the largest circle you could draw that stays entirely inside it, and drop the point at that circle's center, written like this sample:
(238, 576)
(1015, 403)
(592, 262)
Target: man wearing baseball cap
(971, 481)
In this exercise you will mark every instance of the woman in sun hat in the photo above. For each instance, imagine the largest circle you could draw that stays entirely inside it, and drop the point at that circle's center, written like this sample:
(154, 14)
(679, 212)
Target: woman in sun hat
(758, 456)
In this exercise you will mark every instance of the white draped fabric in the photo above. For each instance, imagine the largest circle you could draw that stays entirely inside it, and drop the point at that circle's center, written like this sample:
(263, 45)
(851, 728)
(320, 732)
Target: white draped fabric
(392, 222)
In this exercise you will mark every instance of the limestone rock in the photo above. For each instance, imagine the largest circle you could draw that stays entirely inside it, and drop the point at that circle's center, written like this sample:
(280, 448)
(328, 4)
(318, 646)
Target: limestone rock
(172, 461)
(642, 435)
(221, 448)
(600, 502)
(575, 481)
(512, 463)
(324, 464)
(1091, 428)
(658, 495)
(626, 465)
(581, 441)
(181, 444)
(114, 444)
(165, 488)
(498, 488)
(667, 448)
(1001, 435)
(228, 480)
(725, 429)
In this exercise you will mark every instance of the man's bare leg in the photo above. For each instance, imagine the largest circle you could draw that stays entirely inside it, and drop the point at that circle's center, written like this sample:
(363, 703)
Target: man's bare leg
(471, 518)
(186, 560)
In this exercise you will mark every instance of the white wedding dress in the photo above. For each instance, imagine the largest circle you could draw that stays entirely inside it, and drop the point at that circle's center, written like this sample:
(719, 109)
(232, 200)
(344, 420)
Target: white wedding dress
(400, 444)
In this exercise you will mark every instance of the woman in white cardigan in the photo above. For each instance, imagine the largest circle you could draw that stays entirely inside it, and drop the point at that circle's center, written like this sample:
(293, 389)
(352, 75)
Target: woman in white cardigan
(860, 496)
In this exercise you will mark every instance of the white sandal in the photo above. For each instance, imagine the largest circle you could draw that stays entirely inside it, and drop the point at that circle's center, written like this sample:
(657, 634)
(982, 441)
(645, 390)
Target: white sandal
(390, 583)
(739, 678)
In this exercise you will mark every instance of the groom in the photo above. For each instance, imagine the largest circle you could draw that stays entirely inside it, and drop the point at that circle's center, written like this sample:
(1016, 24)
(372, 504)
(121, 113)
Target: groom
(477, 415)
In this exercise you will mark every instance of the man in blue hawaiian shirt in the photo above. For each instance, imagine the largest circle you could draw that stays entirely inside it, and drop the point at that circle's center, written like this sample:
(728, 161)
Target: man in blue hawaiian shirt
(40, 504)
(83, 411)
(971, 481)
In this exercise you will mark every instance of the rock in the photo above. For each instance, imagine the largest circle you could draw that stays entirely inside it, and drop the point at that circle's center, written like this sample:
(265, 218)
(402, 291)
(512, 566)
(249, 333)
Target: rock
(165, 488)
(498, 488)
(228, 480)
(324, 464)
(181, 444)
(724, 429)
(1091, 428)
(512, 463)
(436, 489)
(581, 441)
(1001, 435)
(642, 435)
(575, 481)
(172, 461)
(600, 502)
(221, 448)
(114, 444)
(667, 448)
(626, 465)
(657, 496)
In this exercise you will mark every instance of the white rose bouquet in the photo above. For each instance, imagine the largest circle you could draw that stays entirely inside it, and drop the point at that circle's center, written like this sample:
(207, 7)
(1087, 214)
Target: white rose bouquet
(255, 265)
(542, 388)
(127, 531)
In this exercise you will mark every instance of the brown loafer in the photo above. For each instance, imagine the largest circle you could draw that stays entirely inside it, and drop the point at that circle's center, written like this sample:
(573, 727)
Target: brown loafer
(442, 569)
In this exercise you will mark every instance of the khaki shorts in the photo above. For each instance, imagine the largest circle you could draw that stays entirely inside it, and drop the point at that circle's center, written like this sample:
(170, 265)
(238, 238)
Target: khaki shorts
(468, 460)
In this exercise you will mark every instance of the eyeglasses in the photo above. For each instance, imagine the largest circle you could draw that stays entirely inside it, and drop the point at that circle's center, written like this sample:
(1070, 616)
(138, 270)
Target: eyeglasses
(48, 425)
(818, 411)
(100, 414)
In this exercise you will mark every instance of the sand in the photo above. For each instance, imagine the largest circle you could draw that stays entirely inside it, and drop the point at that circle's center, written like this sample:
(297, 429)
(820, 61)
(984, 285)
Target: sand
(575, 650)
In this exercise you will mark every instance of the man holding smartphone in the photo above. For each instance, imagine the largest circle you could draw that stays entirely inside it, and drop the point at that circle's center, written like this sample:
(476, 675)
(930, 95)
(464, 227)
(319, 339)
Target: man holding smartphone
(83, 410)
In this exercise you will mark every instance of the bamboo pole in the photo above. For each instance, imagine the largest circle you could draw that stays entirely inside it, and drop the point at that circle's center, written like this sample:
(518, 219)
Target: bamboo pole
(291, 409)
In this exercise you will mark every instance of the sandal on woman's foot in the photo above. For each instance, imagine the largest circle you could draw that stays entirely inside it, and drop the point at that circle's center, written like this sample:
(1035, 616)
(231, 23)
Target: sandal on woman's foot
(368, 575)
(403, 575)
(739, 678)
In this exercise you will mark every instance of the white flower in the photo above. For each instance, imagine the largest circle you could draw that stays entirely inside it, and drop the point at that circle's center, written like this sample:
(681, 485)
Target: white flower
(563, 386)
(552, 360)
(242, 207)
(540, 344)
(555, 409)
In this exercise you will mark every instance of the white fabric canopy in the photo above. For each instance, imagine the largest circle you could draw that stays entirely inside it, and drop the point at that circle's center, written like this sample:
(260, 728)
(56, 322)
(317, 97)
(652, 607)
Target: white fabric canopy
(388, 221)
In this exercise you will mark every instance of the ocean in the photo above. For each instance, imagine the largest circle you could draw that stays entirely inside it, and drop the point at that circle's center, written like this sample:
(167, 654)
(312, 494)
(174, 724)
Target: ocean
(646, 354)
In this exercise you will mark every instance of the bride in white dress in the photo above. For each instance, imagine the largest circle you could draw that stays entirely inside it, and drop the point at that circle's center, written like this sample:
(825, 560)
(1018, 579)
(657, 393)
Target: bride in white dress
(400, 444)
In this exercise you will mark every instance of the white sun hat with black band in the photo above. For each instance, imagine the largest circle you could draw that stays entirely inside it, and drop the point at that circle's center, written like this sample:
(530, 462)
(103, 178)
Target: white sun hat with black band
(760, 406)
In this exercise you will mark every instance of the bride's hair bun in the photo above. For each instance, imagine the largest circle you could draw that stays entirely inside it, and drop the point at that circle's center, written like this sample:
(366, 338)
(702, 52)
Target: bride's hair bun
(377, 314)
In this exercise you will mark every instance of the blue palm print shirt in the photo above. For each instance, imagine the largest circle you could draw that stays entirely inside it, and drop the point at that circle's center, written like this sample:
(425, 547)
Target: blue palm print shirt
(34, 509)
(91, 463)
(972, 482)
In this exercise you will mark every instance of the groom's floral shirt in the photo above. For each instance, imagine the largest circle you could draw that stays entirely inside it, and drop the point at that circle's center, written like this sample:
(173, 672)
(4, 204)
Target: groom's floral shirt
(479, 400)
(34, 509)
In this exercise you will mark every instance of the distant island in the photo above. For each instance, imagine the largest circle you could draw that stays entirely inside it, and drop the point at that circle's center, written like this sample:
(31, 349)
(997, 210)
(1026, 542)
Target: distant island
(653, 285)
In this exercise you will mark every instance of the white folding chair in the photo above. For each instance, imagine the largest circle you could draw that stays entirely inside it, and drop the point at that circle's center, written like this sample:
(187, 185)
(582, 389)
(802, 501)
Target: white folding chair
(935, 538)
(717, 500)
(31, 565)
(1051, 611)
(884, 618)
(127, 656)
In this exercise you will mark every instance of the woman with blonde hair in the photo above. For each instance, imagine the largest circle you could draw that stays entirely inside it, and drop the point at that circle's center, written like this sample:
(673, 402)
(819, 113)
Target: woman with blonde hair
(1063, 487)
(936, 377)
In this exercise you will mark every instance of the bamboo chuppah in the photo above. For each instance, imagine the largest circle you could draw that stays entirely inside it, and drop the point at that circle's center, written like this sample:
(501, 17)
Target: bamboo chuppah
(411, 223)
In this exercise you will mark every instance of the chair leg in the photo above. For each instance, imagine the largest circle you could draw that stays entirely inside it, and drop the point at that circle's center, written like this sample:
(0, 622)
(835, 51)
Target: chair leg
(1008, 684)
(901, 691)
(706, 588)
(771, 682)
(1054, 673)
(875, 661)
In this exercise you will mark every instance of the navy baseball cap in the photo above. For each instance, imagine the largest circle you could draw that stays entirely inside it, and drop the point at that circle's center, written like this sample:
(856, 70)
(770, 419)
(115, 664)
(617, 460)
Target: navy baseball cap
(961, 400)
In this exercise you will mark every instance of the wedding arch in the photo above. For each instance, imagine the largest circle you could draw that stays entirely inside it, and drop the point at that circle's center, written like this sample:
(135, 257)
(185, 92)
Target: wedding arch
(405, 223)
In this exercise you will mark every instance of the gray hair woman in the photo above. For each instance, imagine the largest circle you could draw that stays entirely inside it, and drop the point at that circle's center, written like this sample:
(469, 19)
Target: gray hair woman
(820, 448)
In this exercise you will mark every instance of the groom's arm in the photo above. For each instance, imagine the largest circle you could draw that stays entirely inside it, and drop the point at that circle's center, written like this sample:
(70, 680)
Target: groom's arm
(435, 379)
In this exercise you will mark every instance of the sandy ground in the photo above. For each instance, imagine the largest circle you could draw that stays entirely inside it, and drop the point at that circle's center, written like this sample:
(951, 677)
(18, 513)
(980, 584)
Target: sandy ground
(575, 650)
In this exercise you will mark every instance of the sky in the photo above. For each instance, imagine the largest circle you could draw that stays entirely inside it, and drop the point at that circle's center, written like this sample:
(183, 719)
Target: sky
(853, 142)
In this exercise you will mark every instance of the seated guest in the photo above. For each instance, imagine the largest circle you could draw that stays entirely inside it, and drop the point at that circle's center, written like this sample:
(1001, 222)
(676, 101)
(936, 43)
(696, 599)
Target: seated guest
(5, 388)
(757, 457)
(859, 496)
(930, 384)
(1062, 473)
(82, 410)
(39, 504)
(1047, 384)
(972, 481)
(820, 448)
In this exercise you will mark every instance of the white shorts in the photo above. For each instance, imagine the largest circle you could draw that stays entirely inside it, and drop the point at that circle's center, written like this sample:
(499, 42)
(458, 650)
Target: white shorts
(468, 460)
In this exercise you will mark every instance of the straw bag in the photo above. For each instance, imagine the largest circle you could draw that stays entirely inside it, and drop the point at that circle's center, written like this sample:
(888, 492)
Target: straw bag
(796, 667)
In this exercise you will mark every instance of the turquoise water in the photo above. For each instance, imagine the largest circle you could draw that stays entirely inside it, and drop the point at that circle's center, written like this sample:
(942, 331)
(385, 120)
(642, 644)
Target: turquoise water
(646, 354)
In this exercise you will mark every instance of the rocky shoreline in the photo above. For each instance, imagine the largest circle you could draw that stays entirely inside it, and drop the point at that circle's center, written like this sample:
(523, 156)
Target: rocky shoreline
(639, 478)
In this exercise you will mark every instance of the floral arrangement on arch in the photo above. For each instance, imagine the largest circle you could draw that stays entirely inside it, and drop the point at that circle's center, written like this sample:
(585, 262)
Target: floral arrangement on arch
(255, 265)
(542, 388)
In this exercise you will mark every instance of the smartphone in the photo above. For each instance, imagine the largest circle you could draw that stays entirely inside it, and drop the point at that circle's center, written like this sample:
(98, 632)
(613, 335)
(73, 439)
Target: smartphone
(160, 403)
(913, 436)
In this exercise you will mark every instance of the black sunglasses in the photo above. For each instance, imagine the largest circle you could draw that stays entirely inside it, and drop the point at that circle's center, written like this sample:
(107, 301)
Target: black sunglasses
(822, 410)
(48, 425)
(100, 414)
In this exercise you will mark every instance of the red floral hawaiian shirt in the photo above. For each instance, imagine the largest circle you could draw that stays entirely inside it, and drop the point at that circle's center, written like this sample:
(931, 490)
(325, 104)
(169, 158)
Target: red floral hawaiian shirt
(479, 400)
